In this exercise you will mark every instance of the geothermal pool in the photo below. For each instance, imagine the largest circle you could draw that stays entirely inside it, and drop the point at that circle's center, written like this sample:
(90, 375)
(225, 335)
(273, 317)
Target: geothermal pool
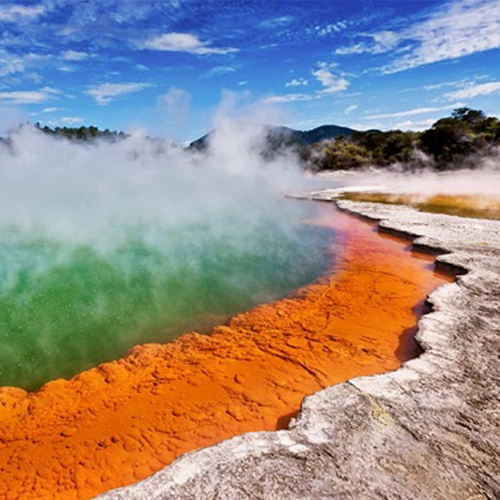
(67, 305)
(115, 424)
(110, 248)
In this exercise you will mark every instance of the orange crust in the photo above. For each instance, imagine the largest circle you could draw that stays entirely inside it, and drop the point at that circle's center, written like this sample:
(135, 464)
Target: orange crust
(115, 424)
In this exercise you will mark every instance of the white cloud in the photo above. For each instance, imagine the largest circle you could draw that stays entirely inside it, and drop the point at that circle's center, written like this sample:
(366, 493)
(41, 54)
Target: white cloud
(437, 86)
(67, 69)
(358, 48)
(454, 30)
(25, 97)
(297, 82)
(74, 55)
(34, 77)
(11, 64)
(329, 80)
(411, 112)
(220, 70)
(243, 82)
(366, 126)
(382, 41)
(51, 90)
(277, 21)
(475, 90)
(350, 109)
(183, 42)
(418, 125)
(50, 110)
(103, 94)
(14, 12)
(174, 97)
(331, 28)
(292, 98)
(71, 120)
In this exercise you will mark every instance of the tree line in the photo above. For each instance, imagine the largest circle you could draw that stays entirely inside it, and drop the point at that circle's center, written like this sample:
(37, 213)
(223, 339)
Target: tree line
(81, 133)
(452, 142)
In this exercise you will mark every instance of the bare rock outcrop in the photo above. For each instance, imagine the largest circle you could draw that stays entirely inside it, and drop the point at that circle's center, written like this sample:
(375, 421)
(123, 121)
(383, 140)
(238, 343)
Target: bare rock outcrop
(429, 430)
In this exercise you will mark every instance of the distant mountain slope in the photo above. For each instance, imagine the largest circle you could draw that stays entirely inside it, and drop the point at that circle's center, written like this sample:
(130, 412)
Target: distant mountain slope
(290, 136)
(322, 133)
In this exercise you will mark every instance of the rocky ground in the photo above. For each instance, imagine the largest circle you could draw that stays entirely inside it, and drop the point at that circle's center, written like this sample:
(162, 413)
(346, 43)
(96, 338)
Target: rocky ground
(429, 430)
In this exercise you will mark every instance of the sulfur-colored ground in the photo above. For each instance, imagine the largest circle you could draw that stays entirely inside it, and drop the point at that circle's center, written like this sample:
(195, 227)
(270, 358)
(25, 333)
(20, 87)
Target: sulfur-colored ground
(475, 206)
(117, 423)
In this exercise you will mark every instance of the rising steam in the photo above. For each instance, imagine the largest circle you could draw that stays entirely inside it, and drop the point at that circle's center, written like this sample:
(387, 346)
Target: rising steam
(110, 244)
(482, 181)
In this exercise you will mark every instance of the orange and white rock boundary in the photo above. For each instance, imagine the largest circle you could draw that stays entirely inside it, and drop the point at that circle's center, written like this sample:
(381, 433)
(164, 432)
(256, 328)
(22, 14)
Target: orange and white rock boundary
(429, 430)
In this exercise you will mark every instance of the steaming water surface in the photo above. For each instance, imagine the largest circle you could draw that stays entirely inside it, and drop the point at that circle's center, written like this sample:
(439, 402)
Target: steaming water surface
(65, 307)
(106, 247)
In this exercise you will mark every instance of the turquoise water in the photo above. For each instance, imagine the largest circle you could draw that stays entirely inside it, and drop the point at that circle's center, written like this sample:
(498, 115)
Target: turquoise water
(68, 305)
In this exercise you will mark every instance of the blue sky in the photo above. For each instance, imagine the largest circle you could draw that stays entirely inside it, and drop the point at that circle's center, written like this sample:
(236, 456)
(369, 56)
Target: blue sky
(165, 66)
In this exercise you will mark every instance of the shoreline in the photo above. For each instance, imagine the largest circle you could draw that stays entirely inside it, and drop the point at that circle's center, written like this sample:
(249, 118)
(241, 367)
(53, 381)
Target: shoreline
(430, 429)
(120, 422)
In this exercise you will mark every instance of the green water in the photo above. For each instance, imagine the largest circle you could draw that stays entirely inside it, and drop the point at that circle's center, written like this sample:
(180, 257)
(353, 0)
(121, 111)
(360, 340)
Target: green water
(67, 306)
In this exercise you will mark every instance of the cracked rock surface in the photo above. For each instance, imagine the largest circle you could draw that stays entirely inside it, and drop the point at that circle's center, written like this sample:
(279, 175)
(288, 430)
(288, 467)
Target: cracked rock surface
(429, 430)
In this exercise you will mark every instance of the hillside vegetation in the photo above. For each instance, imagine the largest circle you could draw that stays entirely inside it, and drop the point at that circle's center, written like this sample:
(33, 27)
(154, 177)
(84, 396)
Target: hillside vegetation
(453, 142)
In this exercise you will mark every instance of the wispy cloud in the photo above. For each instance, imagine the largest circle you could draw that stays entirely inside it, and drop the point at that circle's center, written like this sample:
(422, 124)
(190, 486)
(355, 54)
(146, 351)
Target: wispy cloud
(71, 120)
(380, 42)
(458, 29)
(350, 109)
(75, 55)
(25, 96)
(437, 86)
(103, 94)
(12, 13)
(454, 30)
(475, 90)
(276, 21)
(415, 125)
(324, 74)
(220, 70)
(440, 85)
(11, 64)
(51, 90)
(183, 42)
(175, 97)
(297, 82)
(331, 83)
(292, 98)
(411, 112)
(331, 28)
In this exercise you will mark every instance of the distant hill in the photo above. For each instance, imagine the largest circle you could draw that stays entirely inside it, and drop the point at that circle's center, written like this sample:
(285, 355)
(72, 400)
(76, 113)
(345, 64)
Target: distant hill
(290, 136)
(325, 132)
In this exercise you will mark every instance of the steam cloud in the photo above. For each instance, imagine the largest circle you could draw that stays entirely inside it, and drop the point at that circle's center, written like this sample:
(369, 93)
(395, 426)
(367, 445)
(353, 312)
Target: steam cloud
(77, 191)
(481, 181)
(111, 244)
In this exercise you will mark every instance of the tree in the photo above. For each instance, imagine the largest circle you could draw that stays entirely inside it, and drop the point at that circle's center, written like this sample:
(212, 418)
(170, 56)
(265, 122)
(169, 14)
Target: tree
(341, 154)
(468, 115)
